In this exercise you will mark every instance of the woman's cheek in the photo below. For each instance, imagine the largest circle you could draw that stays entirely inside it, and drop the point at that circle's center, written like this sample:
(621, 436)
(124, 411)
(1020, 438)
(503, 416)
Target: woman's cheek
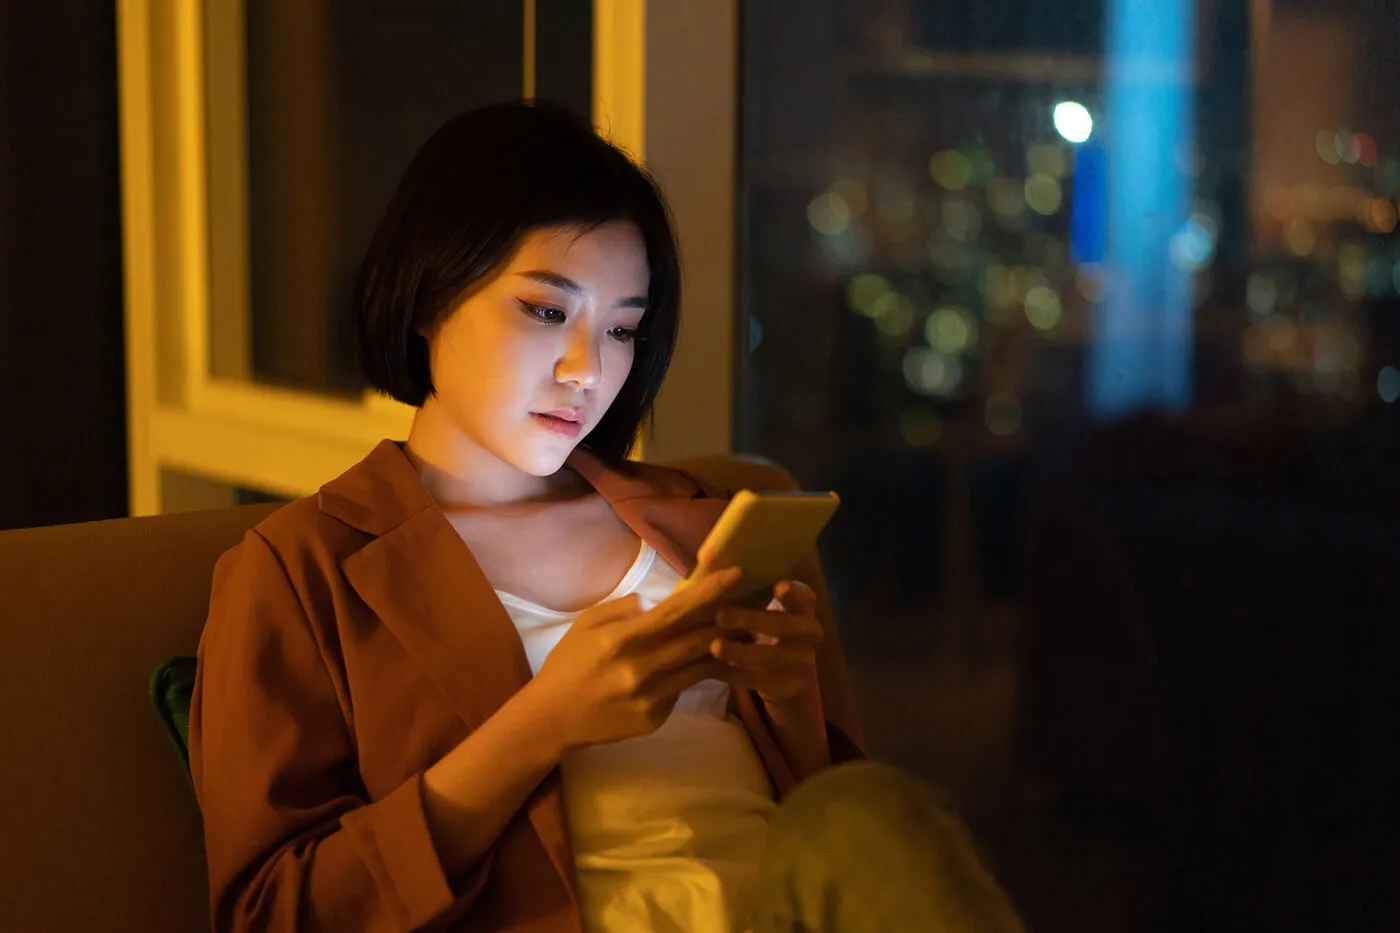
(620, 363)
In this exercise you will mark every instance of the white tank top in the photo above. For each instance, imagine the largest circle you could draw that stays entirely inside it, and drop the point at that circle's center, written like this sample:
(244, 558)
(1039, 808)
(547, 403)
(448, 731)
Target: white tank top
(666, 828)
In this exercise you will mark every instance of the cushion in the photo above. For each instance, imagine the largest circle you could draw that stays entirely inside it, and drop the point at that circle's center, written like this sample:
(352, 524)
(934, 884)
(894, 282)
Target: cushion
(172, 684)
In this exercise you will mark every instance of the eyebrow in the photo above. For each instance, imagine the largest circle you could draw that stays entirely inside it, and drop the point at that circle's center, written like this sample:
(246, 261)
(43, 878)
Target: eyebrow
(555, 280)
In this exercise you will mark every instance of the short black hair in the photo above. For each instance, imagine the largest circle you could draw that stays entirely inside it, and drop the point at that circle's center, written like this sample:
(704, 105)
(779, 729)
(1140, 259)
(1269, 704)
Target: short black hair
(475, 188)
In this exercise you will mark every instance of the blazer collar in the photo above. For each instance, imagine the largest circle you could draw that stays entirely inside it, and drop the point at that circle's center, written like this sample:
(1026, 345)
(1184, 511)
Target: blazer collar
(667, 508)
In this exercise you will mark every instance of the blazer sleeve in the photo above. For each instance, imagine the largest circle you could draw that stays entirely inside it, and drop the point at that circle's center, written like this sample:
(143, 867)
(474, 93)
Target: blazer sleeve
(844, 735)
(292, 841)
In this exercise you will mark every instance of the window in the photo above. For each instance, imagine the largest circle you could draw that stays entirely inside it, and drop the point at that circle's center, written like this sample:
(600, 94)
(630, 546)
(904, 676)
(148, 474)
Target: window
(1090, 312)
(260, 142)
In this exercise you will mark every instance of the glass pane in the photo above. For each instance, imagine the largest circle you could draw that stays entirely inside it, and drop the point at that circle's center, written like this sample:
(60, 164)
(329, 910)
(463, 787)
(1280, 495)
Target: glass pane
(339, 95)
(1089, 311)
(187, 492)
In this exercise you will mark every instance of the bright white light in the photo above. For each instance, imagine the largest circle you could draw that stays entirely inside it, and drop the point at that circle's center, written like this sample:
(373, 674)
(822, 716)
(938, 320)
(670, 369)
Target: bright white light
(1073, 121)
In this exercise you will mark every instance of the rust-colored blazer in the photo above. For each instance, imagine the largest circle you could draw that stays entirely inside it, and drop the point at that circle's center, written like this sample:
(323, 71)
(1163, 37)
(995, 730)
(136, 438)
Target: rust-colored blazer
(352, 641)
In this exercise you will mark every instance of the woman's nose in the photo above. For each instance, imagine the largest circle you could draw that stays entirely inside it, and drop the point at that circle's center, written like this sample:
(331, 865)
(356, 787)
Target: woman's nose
(581, 365)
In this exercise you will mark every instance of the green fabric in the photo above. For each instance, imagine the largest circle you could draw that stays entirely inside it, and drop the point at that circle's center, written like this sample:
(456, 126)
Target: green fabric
(172, 683)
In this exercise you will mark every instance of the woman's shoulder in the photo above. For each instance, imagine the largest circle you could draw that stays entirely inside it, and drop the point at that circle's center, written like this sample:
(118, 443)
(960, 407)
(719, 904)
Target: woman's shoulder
(681, 478)
(372, 497)
(298, 541)
(622, 479)
(719, 476)
(302, 526)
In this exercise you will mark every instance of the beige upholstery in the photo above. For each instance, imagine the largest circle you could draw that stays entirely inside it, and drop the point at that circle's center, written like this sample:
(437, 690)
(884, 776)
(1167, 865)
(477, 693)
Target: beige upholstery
(98, 830)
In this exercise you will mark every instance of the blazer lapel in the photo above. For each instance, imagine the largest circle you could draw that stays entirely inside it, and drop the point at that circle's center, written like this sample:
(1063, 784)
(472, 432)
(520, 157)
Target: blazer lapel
(423, 583)
(665, 508)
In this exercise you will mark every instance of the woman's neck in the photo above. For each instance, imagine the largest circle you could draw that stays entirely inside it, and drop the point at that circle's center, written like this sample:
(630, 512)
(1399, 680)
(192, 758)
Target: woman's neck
(461, 474)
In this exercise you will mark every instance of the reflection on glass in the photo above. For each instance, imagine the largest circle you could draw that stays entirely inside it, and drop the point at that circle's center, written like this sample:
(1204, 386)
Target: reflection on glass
(335, 97)
(1091, 312)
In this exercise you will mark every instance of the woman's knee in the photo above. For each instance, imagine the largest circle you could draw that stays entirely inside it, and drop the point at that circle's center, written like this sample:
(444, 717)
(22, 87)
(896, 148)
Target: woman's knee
(867, 838)
(871, 793)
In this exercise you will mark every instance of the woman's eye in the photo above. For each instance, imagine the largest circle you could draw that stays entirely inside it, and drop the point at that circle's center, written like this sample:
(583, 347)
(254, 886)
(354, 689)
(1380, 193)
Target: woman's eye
(623, 334)
(543, 314)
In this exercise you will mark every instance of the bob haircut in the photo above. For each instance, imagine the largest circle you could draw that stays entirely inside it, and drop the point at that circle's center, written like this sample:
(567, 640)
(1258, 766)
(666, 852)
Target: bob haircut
(472, 192)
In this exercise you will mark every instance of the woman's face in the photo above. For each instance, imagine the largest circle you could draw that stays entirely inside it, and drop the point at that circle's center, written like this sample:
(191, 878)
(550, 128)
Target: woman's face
(551, 332)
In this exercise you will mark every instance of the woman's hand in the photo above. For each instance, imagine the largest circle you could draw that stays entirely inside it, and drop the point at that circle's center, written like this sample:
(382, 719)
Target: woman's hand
(773, 650)
(617, 673)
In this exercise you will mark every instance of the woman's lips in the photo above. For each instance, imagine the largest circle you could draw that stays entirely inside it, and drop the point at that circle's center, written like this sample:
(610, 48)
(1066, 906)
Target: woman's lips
(557, 425)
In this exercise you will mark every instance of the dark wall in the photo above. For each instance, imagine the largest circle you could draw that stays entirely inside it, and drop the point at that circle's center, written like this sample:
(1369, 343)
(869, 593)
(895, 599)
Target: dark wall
(62, 388)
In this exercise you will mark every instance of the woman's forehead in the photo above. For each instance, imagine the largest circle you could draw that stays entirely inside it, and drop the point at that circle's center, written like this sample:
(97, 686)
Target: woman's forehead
(614, 251)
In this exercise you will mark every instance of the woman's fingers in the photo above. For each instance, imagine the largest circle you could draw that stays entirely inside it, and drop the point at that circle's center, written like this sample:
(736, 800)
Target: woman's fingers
(779, 657)
(788, 626)
(795, 596)
(694, 601)
(779, 660)
(771, 686)
(672, 683)
(691, 645)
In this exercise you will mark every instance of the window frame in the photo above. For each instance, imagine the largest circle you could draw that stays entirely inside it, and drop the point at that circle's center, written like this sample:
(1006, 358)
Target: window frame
(176, 226)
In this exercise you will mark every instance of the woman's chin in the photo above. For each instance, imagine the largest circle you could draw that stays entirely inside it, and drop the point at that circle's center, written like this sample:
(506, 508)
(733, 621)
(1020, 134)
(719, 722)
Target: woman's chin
(538, 460)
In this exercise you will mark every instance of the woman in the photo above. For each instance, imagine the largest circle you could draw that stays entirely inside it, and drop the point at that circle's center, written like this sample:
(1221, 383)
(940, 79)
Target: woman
(455, 690)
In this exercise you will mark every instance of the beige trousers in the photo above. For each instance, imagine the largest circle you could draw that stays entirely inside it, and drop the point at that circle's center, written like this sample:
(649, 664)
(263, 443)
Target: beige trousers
(867, 848)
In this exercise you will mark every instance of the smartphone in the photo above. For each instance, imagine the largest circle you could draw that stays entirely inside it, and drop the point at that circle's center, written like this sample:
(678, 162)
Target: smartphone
(765, 534)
